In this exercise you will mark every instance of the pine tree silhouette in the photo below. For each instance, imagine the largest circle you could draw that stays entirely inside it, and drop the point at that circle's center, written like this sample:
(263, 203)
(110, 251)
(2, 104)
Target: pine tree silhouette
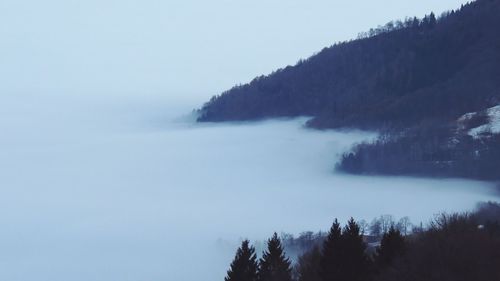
(274, 266)
(343, 257)
(308, 265)
(331, 255)
(244, 266)
(355, 265)
(393, 245)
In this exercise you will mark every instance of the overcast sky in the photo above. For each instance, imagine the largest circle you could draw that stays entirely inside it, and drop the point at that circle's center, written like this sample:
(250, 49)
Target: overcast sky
(174, 48)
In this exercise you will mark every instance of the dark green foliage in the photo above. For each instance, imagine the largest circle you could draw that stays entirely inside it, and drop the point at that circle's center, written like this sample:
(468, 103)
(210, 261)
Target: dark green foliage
(343, 257)
(308, 266)
(274, 266)
(459, 247)
(453, 249)
(306, 241)
(488, 215)
(425, 152)
(487, 212)
(355, 264)
(392, 246)
(331, 254)
(244, 266)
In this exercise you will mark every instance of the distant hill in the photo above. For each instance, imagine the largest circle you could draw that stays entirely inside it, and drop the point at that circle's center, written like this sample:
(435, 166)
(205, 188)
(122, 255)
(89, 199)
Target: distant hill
(410, 78)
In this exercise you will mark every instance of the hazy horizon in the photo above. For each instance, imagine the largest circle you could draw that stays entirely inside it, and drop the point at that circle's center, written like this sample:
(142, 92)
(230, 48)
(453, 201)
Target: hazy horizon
(189, 49)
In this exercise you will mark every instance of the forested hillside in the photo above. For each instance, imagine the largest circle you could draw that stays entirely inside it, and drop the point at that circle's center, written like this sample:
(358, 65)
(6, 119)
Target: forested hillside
(407, 76)
(403, 73)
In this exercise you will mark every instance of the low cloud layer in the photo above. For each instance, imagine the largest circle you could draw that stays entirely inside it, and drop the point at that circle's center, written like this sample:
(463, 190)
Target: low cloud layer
(96, 189)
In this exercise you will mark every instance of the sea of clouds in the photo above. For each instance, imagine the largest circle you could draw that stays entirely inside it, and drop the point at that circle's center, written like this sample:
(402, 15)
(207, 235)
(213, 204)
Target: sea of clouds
(100, 189)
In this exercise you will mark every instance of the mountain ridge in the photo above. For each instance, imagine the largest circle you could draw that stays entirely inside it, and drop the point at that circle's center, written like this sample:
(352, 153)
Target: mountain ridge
(415, 76)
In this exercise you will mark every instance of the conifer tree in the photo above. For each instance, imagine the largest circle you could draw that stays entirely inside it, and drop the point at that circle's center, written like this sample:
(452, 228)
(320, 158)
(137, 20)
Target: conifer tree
(331, 255)
(308, 265)
(274, 266)
(432, 20)
(355, 265)
(393, 244)
(244, 266)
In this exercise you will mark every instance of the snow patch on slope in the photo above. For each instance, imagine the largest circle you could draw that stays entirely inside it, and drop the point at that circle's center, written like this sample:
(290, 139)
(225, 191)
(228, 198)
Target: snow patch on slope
(467, 116)
(493, 126)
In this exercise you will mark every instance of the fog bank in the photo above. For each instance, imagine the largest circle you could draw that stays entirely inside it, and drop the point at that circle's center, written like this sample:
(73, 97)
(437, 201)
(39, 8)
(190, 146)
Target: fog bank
(101, 189)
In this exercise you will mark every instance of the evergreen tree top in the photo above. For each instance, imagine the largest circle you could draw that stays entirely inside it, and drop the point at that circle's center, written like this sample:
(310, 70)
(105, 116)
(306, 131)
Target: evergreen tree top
(393, 245)
(274, 265)
(352, 229)
(332, 253)
(334, 234)
(244, 266)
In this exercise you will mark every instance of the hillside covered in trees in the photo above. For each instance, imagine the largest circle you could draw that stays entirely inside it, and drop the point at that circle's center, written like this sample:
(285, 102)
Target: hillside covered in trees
(412, 80)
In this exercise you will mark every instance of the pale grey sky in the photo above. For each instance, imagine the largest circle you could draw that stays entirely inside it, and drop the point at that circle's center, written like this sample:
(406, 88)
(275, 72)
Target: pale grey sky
(189, 48)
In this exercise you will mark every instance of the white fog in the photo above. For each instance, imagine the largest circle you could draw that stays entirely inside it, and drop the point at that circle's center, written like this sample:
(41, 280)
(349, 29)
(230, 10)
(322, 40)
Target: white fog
(96, 189)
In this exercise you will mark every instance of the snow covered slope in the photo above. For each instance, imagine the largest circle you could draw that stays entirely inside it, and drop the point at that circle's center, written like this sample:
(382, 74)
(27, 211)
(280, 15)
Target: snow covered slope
(490, 124)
